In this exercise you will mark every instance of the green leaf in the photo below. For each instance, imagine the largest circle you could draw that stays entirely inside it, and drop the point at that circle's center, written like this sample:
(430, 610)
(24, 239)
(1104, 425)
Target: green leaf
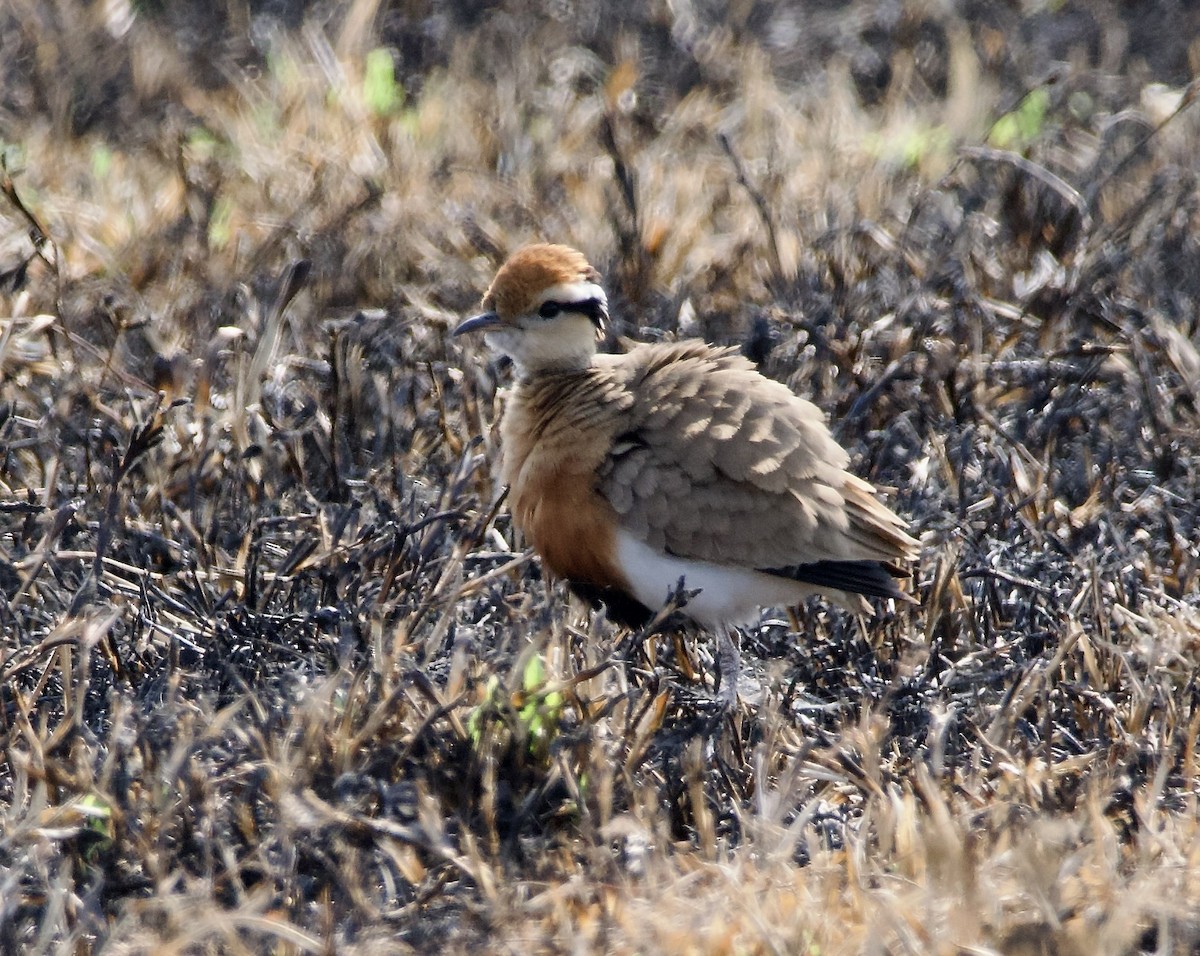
(219, 232)
(534, 675)
(475, 718)
(102, 161)
(1023, 125)
(380, 89)
(95, 809)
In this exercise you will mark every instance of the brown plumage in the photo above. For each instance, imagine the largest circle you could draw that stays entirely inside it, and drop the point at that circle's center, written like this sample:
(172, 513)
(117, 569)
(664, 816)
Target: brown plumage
(629, 471)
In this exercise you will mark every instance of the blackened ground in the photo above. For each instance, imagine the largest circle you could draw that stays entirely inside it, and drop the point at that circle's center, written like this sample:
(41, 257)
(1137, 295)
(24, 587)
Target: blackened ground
(272, 652)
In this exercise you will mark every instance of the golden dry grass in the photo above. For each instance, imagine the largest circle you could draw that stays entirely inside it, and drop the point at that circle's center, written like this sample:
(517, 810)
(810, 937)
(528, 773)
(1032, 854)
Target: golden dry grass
(275, 674)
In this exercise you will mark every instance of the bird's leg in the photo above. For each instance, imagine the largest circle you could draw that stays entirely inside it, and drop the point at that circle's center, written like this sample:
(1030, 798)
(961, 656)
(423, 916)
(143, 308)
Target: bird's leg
(729, 666)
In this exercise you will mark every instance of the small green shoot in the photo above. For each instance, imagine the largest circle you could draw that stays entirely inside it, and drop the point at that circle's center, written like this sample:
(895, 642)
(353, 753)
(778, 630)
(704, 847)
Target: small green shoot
(102, 161)
(201, 144)
(911, 147)
(383, 94)
(536, 709)
(542, 708)
(98, 815)
(219, 231)
(1023, 125)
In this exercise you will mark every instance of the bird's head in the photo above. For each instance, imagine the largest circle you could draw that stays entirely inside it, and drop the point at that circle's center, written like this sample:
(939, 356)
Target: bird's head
(544, 310)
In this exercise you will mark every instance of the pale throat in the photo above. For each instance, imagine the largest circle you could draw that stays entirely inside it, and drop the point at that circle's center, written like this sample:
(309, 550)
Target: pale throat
(569, 346)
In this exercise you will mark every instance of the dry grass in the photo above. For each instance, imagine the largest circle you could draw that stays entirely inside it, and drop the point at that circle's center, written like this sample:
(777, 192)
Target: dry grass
(275, 673)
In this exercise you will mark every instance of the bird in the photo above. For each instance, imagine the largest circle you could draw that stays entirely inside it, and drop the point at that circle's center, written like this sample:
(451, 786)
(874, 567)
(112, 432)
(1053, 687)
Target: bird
(673, 466)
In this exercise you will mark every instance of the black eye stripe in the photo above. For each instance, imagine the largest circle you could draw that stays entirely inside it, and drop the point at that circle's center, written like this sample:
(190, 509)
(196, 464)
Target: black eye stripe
(593, 308)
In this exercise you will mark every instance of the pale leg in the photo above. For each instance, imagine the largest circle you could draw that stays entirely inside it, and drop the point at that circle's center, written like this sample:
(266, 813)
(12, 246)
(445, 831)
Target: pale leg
(729, 665)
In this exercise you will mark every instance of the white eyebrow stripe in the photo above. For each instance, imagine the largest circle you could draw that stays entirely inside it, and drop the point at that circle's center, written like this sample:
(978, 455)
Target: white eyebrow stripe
(567, 292)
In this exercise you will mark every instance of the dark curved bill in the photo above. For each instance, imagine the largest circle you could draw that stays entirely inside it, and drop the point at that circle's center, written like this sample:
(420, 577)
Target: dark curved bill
(488, 320)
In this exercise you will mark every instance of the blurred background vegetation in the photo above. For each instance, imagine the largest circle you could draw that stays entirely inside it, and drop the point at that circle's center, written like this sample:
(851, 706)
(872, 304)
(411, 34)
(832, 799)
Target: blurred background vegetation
(276, 674)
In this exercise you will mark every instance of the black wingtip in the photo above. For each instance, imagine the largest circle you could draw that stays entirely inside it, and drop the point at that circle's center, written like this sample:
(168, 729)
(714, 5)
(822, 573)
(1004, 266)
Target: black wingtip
(869, 578)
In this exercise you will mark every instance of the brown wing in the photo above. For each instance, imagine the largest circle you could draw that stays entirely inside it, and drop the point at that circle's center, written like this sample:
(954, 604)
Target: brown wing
(715, 462)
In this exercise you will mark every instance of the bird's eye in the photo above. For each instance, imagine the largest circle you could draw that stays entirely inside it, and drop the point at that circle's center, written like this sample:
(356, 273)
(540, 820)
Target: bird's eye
(549, 310)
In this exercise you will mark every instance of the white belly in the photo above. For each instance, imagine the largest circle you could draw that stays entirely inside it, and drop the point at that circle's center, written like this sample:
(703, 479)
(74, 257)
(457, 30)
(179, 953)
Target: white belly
(728, 595)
